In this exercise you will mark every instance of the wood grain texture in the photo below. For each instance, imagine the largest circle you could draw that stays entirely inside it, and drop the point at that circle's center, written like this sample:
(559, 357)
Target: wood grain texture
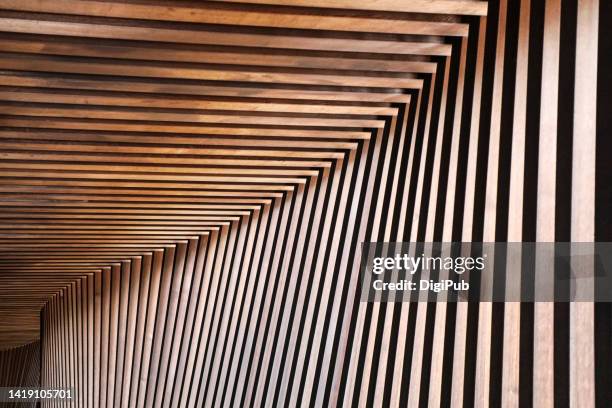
(185, 187)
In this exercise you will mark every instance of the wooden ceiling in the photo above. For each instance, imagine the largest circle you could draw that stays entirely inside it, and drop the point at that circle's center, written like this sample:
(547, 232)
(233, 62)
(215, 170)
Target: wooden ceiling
(133, 125)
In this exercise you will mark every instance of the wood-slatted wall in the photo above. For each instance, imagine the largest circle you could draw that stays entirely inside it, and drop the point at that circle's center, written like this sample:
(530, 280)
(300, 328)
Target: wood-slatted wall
(185, 187)
(20, 367)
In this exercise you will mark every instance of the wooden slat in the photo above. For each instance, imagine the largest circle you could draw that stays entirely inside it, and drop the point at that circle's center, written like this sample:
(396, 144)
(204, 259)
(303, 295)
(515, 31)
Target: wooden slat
(583, 221)
(418, 6)
(207, 13)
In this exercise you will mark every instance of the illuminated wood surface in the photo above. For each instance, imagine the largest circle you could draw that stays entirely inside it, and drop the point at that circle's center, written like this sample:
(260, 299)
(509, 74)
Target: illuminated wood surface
(185, 187)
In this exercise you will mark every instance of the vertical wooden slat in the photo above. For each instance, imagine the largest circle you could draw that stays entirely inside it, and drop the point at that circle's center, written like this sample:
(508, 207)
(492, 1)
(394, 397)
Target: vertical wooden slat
(483, 357)
(416, 376)
(440, 334)
(582, 329)
(512, 310)
(543, 388)
(123, 293)
(459, 353)
(132, 317)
